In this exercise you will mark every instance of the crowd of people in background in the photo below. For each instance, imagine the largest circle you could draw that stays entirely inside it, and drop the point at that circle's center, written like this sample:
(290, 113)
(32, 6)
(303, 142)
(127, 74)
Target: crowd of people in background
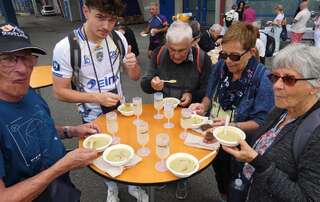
(277, 106)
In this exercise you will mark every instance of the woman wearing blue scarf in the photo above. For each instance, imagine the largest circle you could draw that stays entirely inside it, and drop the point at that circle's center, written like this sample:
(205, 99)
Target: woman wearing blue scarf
(238, 87)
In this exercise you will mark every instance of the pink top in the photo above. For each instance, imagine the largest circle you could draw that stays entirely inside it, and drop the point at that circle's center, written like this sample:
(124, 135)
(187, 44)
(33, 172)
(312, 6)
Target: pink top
(249, 15)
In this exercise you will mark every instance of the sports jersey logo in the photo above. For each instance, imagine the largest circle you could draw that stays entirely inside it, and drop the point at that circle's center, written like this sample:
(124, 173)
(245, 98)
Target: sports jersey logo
(86, 59)
(113, 55)
(91, 83)
(56, 66)
(107, 81)
(99, 56)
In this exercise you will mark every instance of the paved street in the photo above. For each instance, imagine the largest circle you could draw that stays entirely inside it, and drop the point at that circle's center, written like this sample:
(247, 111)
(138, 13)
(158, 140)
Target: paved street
(45, 32)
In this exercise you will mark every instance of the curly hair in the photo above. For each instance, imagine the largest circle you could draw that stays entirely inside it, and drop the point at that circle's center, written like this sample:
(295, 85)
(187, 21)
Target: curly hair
(112, 7)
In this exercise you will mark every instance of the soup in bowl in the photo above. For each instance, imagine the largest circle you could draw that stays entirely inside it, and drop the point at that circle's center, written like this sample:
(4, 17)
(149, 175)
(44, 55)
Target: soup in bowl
(182, 164)
(197, 120)
(98, 142)
(126, 109)
(230, 137)
(118, 155)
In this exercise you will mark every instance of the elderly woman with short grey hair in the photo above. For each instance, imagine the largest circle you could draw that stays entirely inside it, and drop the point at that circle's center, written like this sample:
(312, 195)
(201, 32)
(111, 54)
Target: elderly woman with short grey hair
(283, 162)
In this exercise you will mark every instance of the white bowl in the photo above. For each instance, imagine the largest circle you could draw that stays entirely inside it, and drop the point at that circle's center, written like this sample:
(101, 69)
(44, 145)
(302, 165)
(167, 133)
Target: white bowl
(116, 147)
(144, 34)
(202, 118)
(106, 137)
(125, 113)
(225, 142)
(172, 100)
(175, 156)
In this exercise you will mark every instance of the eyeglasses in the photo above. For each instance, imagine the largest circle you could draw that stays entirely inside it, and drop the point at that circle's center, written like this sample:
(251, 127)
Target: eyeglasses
(11, 60)
(232, 56)
(287, 80)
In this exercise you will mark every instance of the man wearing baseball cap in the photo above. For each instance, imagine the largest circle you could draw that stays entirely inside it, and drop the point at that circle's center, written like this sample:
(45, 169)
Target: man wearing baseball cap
(34, 165)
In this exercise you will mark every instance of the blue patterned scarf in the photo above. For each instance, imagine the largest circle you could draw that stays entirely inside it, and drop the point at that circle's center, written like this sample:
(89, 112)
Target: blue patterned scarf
(230, 92)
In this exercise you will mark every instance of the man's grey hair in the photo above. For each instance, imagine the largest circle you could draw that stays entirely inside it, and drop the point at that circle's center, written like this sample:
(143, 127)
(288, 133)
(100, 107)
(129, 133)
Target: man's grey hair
(178, 32)
(302, 58)
(216, 27)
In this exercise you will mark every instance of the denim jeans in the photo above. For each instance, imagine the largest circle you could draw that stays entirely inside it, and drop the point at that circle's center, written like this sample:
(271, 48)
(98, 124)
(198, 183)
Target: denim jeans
(276, 35)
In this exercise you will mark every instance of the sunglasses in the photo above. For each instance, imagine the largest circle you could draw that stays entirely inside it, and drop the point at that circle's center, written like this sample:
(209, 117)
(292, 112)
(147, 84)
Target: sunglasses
(232, 56)
(287, 80)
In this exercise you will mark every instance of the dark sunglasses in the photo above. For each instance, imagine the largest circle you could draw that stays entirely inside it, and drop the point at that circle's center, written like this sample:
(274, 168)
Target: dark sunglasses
(287, 80)
(232, 56)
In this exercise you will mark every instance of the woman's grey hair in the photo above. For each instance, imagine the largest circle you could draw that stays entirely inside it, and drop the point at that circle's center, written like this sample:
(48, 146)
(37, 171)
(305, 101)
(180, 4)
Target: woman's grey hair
(302, 58)
(178, 32)
(216, 27)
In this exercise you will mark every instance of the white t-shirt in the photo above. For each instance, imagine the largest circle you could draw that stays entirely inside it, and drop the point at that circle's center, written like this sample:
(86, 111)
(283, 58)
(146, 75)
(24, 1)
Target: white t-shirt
(302, 18)
(108, 79)
(232, 14)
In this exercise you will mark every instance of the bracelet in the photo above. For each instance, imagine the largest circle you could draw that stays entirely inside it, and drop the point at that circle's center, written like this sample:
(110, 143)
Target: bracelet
(66, 132)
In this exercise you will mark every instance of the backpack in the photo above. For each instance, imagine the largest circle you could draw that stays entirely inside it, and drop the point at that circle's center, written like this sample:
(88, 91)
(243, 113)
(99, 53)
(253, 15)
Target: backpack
(304, 132)
(270, 46)
(75, 57)
(199, 58)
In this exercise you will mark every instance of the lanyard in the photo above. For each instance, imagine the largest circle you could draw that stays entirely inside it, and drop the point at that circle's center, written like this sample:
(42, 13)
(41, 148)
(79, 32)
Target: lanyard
(93, 65)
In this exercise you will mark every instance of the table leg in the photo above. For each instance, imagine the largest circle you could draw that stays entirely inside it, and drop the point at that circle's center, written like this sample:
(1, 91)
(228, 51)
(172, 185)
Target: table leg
(151, 193)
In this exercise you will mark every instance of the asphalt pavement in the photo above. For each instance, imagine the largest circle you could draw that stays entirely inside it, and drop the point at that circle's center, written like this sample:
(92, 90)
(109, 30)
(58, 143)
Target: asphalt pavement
(46, 32)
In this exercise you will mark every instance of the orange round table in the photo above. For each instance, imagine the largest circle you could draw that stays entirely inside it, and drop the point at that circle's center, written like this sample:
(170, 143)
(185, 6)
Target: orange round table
(41, 77)
(144, 173)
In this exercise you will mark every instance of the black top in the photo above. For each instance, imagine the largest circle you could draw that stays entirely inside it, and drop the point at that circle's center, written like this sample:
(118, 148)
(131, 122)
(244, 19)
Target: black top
(207, 42)
(278, 176)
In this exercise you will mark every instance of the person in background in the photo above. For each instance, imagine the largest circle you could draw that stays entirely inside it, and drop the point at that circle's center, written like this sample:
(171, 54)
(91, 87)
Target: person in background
(275, 170)
(34, 165)
(196, 32)
(128, 34)
(157, 28)
(298, 8)
(277, 27)
(211, 38)
(249, 14)
(299, 24)
(240, 9)
(231, 16)
(238, 87)
(316, 21)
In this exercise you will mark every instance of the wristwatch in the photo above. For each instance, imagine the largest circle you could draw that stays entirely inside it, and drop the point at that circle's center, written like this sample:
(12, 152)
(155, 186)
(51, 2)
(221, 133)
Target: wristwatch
(66, 132)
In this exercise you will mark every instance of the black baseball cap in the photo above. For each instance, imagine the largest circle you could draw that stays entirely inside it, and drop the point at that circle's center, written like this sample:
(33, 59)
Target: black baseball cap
(12, 39)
